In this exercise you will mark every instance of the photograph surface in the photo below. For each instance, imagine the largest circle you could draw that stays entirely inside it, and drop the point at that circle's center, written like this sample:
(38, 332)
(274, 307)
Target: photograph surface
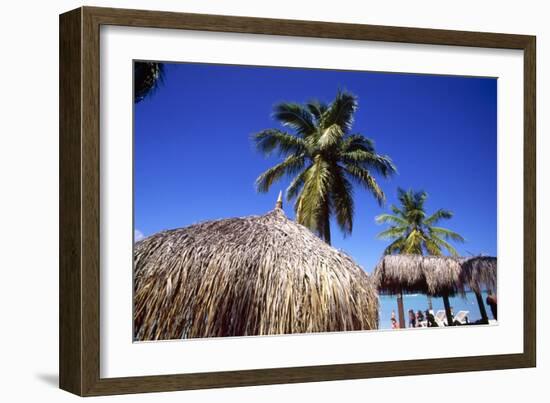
(276, 200)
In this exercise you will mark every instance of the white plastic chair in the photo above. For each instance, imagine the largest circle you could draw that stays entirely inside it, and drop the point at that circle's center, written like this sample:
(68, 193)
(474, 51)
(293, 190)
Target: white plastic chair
(461, 317)
(441, 318)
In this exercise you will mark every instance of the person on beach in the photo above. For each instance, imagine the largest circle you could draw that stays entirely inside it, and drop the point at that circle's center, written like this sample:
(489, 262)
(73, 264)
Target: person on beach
(419, 318)
(431, 319)
(394, 324)
(492, 302)
(412, 318)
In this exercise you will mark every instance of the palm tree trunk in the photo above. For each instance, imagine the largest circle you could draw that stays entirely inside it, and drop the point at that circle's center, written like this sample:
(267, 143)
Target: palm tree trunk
(430, 305)
(401, 310)
(448, 310)
(482, 309)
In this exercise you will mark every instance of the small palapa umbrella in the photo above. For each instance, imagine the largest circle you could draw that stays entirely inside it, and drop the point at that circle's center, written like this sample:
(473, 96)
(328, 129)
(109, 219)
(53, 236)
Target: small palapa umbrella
(439, 276)
(478, 273)
(431, 275)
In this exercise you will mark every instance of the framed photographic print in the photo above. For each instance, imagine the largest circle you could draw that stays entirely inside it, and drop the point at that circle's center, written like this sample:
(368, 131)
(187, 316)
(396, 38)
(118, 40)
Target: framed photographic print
(249, 201)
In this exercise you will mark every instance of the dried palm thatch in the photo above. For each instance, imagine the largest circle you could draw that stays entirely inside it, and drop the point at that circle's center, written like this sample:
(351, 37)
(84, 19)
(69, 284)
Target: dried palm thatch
(479, 272)
(431, 275)
(254, 275)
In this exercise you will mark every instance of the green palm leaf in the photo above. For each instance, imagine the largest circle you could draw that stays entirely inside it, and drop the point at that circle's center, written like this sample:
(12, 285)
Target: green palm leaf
(438, 216)
(342, 200)
(444, 244)
(391, 219)
(296, 117)
(341, 111)
(392, 233)
(289, 166)
(363, 177)
(447, 234)
(380, 164)
(296, 185)
(357, 142)
(317, 109)
(330, 137)
(271, 140)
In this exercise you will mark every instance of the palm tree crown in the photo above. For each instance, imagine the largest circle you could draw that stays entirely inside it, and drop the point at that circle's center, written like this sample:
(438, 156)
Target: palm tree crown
(147, 77)
(412, 231)
(323, 158)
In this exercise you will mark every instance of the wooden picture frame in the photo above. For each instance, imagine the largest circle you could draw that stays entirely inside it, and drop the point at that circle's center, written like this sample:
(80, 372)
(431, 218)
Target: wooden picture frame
(79, 201)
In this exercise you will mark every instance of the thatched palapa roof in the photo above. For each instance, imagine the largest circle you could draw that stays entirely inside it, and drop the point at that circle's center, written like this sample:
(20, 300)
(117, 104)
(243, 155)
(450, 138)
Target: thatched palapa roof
(434, 275)
(479, 272)
(254, 275)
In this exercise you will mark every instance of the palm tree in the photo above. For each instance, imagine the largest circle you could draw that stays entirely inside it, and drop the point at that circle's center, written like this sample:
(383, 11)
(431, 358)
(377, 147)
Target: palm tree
(414, 232)
(323, 158)
(147, 77)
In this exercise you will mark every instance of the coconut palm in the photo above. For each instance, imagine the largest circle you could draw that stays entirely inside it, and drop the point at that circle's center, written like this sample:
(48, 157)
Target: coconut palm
(323, 158)
(147, 77)
(414, 232)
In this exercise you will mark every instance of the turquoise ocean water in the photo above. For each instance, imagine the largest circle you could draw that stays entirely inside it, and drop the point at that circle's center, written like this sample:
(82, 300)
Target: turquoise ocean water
(420, 301)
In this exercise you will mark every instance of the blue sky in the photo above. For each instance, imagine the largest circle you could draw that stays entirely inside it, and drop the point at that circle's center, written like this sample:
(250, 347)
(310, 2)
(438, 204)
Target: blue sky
(194, 159)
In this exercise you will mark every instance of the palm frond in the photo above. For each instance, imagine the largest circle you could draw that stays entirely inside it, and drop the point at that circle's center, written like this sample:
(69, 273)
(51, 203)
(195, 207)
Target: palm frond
(296, 185)
(447, 234)
(270, 140)
(392, 233)
(381, 164)
(432, 247)
(413, 243)
(316, 108)
(439, 215)
(442, 243)
(342, 199)
(330, 137)
(391, 219)
(294, 116)
(341, 111)
(395, 247)
(289, 166)
(314, 195)
(396, 210)
(415, 214)
(411, 199)
(364, 178)
(355, 142)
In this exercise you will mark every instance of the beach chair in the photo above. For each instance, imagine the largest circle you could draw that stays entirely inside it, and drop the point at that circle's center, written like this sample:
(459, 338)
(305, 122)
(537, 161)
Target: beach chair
(462, 317)
(441, 318)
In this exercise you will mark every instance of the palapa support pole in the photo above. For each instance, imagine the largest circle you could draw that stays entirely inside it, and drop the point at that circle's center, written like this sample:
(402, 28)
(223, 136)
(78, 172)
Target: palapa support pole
(401, 310)
(447, 304)
(482, 310)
